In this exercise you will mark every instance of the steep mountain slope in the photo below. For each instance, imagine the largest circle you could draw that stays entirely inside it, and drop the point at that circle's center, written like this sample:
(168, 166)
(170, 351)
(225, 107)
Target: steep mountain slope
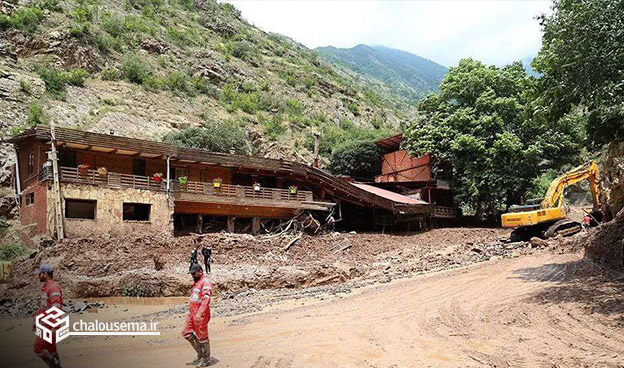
(146, 67)
(401, 73)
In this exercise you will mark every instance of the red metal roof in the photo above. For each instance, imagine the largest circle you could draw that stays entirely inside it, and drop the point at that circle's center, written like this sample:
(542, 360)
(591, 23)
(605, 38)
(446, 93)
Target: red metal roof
(396, 197)
(391, 143)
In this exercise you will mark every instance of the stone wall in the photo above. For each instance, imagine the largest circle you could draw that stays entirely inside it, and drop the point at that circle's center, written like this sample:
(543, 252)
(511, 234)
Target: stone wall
(109, 211)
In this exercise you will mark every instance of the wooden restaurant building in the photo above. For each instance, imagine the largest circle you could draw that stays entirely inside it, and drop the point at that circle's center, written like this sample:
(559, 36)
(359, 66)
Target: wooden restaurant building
(81, 183)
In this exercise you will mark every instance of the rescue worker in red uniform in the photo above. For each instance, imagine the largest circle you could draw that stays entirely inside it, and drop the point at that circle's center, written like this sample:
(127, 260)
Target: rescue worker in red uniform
(196, 325)
(51, 296)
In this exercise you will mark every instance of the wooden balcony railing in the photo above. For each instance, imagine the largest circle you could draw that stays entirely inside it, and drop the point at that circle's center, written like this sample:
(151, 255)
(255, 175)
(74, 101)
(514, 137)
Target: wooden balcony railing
(117, 180)
(241, 191)
(111, 179)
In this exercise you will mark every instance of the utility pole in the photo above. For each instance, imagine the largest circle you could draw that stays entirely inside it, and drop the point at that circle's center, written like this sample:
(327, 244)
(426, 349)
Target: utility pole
(56, 185)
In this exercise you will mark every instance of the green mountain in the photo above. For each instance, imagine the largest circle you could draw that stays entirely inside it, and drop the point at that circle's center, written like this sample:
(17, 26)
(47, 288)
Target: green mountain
(146, 68)
(400, 73)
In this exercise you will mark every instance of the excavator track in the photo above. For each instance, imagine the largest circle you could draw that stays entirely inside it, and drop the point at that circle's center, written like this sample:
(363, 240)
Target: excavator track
(563, 227)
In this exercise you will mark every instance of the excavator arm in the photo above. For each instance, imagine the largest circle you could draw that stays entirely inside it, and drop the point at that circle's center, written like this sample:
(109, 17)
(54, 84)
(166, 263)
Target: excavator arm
(589, 171)
(549, 217)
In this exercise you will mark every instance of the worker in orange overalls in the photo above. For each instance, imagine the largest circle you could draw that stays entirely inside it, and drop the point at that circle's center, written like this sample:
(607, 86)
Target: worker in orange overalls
(196, 325)
(51, 296)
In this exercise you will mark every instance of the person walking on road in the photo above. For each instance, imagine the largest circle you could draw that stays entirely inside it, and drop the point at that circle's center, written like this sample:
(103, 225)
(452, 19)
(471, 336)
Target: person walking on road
(51, 296)
(196, 325)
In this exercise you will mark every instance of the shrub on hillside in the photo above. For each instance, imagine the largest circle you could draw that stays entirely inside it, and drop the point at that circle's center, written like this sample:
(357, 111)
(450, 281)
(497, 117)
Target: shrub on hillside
(77, 77)
(360, 159)
(36, 115)
(26, 19)
(56, 80)
(135, 68)
(214, 137)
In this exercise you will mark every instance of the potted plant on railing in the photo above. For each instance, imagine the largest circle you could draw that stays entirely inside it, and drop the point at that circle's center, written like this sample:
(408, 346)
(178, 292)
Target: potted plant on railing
(183, 180)
(157, 177)
(83, 168)
(102, 171)
(293, 189)
(216, 182)
(256, 186)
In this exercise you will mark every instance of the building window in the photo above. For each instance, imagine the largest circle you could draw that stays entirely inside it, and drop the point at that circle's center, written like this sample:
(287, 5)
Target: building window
(138, 166)
(67, 158)
(30, 199)
(31, 164)
(80, 209)
(136, 211)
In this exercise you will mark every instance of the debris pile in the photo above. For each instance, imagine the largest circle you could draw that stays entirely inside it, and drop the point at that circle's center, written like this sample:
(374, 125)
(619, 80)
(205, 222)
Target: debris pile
(151, 265)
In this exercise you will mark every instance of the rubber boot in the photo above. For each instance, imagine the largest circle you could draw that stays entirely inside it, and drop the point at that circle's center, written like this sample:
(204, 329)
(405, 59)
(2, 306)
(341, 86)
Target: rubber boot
(51, 361)
(205, 360)
(195, 344)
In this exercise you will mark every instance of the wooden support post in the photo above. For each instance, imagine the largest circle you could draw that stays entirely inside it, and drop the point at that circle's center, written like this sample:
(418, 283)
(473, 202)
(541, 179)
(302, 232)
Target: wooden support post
(255, 225)
(168, 173)
(56, 186)
(200, 224)
(18, 180)
(231, 221)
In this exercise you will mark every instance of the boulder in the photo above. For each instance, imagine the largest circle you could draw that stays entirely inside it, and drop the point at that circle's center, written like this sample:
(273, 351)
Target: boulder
(538, 242)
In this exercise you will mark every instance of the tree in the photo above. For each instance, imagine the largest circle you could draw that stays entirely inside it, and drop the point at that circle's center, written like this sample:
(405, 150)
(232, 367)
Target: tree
(582, 66)
(361, 159)
(481, 122)
(215, 137)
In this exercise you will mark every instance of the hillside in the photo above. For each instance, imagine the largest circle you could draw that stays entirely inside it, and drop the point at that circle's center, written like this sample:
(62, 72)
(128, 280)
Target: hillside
(400, 73)
(144, 68)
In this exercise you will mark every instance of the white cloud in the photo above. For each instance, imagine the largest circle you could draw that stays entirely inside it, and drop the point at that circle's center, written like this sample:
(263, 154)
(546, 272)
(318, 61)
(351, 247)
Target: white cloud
(495, 32)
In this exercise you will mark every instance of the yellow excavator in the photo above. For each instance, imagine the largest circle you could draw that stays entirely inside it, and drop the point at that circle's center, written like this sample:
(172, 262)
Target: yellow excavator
(546, 217)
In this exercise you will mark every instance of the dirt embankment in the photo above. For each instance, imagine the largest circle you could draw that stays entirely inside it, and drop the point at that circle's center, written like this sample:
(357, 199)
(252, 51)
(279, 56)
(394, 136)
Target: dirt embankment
(156, 266)
(606, 243)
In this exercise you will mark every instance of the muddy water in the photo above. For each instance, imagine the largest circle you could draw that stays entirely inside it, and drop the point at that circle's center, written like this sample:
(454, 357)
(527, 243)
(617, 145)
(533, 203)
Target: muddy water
(124, 301)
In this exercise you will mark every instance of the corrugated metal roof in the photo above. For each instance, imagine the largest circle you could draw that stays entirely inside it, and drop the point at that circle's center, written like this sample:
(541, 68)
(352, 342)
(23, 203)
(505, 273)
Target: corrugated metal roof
(395, 197)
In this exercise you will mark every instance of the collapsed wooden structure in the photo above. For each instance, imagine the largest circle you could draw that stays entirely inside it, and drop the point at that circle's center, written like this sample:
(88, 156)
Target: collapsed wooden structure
(118, 184)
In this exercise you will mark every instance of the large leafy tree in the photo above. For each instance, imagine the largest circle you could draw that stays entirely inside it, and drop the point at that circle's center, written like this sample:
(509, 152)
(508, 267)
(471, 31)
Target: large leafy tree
(360, 159)
(483, 122)
(582, 66)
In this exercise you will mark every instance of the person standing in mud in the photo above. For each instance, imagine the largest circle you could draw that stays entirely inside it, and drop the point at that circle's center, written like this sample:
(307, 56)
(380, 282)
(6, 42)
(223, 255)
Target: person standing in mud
(196, 326)
(51, 296)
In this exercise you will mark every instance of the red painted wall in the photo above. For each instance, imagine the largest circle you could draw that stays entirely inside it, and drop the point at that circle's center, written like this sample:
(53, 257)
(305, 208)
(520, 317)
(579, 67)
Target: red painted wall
(400, 166)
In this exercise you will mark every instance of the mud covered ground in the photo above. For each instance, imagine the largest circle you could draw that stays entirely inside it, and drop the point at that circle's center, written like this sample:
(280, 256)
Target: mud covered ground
(539, 310)
(155, 266)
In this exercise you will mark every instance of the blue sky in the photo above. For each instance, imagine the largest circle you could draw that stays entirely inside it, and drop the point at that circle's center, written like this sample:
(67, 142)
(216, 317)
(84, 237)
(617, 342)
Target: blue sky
(495, 32)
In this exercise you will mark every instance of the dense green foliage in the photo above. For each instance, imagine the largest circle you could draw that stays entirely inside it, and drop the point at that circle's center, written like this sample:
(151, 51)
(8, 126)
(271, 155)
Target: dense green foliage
(359, 159)
(481, 123)
(405, 74)
(215, 137)
(582, 62)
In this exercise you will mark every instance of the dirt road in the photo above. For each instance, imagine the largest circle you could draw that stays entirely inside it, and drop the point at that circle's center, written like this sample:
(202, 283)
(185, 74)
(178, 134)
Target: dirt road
(542, 310)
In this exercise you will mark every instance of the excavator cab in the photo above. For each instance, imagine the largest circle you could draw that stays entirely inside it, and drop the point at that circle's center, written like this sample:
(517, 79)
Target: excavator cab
(548, 217)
